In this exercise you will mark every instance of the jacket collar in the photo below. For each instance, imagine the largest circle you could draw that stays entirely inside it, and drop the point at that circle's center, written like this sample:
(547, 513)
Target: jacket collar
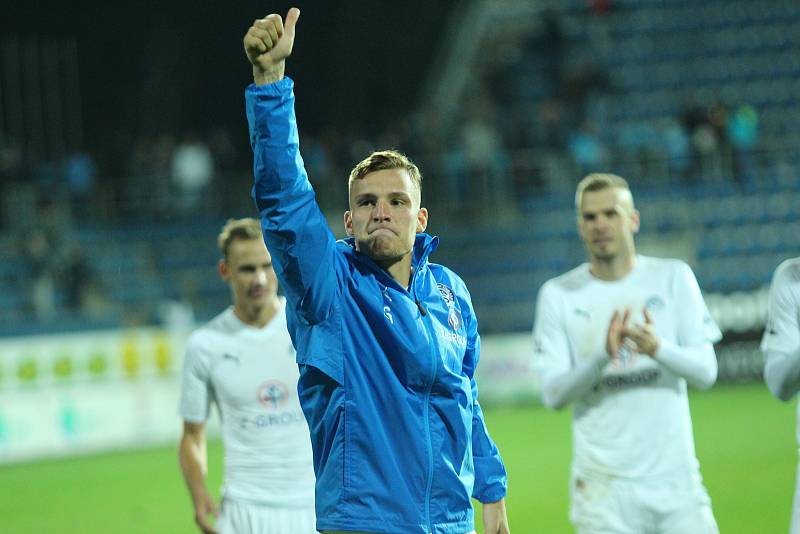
(424, 245)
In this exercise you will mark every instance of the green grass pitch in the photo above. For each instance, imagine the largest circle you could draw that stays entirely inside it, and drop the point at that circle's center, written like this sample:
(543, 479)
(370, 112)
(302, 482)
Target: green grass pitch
(745, 442)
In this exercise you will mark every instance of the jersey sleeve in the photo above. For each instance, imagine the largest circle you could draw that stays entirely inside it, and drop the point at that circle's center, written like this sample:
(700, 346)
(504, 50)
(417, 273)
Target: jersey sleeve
(551, 348)
(695, 326)
(295, 230)
(782, 332)
(196, 391)
(561, 379)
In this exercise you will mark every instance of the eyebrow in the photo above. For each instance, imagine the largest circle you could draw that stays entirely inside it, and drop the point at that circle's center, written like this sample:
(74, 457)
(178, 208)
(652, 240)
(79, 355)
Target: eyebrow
(254, 264)
(589, 213)
(391, 195)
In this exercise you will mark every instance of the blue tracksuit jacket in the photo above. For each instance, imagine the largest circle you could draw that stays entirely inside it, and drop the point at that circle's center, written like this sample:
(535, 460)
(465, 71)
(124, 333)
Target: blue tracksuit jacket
(386, 374)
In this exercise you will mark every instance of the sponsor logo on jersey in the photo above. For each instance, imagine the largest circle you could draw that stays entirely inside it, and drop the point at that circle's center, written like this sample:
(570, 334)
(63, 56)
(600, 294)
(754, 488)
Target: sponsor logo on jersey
(273, 394)
(267, 420)
(629, 380)
(454, 337)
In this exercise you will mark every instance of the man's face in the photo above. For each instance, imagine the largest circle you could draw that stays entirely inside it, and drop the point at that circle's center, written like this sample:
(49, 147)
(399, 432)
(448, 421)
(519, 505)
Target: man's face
(607, 223)
(385, 215)
(248, 271)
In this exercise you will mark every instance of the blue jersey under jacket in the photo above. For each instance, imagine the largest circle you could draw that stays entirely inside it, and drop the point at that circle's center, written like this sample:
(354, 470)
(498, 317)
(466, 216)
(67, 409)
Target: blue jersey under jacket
(386, 373)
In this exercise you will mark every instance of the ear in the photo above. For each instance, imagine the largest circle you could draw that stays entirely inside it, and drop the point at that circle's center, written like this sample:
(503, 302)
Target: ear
(348, 223)
(223, 270)
(422, 220)
(635, 221)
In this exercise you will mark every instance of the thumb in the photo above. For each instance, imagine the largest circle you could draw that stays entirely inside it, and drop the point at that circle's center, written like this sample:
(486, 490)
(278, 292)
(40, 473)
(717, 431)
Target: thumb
(648, 319)
(291, 21)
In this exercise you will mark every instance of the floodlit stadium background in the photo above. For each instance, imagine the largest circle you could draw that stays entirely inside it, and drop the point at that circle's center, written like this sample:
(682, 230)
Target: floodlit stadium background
(123, 149)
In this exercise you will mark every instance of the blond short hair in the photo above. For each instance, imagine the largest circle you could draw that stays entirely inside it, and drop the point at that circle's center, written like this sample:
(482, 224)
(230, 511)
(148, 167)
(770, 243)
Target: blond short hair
(384, 160)
(599, 181)
(234, 229)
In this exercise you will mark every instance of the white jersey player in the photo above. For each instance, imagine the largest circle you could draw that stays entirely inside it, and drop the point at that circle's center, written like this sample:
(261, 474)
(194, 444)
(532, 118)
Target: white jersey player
(619, 338)
(781, 347)
(243, 362)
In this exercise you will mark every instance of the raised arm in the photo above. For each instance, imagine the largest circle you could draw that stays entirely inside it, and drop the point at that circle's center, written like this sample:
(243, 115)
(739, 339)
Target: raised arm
(268, 43)
(295, 230)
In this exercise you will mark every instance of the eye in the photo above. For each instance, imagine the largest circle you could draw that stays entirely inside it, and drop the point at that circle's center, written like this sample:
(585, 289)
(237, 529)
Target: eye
(366, 202)
(398, 202)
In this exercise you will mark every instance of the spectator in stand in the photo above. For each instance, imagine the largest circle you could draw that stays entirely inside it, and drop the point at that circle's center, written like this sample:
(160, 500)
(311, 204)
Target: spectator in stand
(743, 136)
(192, 170)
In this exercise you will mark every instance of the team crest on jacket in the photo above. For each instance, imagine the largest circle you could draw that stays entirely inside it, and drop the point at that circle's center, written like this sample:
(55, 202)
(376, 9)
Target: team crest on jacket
(454, 319)
(453, 315)
(447, 295)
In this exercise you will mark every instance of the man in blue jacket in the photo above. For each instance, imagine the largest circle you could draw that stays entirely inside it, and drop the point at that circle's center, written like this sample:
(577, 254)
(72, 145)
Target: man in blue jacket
(387, 343)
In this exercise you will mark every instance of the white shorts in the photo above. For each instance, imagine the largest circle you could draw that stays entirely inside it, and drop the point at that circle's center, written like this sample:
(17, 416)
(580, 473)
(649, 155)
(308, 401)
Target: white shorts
(249, 518)
(674, 505)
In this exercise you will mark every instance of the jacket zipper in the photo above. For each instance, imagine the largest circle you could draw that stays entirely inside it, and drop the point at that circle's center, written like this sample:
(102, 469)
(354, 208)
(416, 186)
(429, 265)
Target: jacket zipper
(423, 313)
(426, 411)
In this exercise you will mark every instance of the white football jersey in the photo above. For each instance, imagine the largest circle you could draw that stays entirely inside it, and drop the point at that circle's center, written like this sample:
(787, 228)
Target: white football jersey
(251, 375)
(782, 333)
(635, 421)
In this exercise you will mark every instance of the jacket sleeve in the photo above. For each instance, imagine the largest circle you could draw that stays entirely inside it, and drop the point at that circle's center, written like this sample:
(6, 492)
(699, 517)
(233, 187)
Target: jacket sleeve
(295, 230)
(491, 481)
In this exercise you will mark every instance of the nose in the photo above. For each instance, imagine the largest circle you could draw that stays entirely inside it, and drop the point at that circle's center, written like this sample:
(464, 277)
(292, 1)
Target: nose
(600, 222)
(261, 277)
(380, 212)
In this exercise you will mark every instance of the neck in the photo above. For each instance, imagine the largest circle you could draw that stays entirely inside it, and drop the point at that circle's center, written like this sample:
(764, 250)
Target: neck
(258, 316)
(399, 269)
(611, 269)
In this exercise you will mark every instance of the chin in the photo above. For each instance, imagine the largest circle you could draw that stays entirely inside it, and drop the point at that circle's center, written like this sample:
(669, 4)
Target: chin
(383, 254)
(257, 302)
(604, 255)
(382, 248)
